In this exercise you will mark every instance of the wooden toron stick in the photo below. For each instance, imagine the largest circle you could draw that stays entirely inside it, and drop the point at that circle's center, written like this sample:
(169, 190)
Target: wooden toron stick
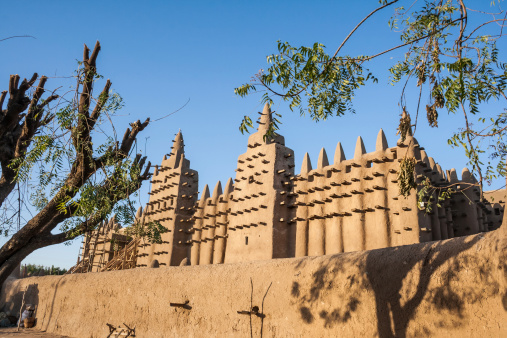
(22, 304)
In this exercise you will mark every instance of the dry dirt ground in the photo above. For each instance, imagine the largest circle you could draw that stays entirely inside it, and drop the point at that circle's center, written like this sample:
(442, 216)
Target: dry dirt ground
(26, 333)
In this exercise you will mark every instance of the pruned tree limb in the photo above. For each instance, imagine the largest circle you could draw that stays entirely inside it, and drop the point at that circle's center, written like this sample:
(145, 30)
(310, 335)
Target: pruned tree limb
(65, 203)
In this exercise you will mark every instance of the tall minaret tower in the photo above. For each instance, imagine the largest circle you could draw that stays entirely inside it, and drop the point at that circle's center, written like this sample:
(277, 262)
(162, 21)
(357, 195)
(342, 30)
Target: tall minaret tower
(172, 197)
(258, 222)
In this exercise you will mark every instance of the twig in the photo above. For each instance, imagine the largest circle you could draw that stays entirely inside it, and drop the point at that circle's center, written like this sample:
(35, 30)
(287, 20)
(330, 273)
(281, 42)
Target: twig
(359, 24)
(18, 36)
(262, 307)
(22, 304)
(251, 305)
(174, 112)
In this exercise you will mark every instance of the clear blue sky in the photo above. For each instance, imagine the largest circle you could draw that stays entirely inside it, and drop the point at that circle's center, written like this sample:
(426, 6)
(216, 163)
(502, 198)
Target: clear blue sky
(160, 53)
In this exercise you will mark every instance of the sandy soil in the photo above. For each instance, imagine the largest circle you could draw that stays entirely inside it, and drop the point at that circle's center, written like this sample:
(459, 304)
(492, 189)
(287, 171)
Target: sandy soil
(26, 333)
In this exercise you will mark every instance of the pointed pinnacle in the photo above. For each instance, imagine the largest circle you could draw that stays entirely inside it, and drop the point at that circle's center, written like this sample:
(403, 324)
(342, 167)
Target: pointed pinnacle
(178, 143)
(204, 195)
(424, 158)
(360, 149)
(322, 161)
(440, 171)
(381, 143)
(228, 187)
(217, 191)
(139, 212)
(404, 115)
(431, 162)
(112, 222)
(453, 176)
(474, 179)
(339, 155)
(265, 119)
(306, 167)
(466, 176)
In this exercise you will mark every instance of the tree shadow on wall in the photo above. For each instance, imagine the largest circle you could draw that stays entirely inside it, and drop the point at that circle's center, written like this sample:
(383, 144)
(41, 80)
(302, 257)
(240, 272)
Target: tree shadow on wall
(50, 304)
(389, 283)
(399, 278)
(324, 282)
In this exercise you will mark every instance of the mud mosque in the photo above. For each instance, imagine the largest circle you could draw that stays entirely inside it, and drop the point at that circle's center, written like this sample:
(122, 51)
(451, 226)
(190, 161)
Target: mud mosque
(267, 211)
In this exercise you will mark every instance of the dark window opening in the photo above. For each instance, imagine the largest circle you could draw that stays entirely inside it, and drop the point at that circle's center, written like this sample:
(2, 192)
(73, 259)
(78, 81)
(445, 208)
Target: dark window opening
(251, 179)
(497, 211)
(246, 240)
(368, 164)
(347, 169)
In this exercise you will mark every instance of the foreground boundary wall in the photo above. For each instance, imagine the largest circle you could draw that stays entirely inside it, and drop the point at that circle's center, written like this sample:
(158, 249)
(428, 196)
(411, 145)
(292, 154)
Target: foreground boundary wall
(455, 287)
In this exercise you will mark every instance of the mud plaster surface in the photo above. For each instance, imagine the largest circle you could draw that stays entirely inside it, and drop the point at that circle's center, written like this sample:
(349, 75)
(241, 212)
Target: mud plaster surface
(453, 288)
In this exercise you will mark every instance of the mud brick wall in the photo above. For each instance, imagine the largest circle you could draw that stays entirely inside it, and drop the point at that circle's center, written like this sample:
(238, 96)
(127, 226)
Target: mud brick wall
(450, 288)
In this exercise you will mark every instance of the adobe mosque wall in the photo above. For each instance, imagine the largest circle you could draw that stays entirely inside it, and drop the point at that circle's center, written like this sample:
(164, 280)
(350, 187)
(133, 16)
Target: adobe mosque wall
(269, 212)
(172, 203)
(455, 286)
(449, 288)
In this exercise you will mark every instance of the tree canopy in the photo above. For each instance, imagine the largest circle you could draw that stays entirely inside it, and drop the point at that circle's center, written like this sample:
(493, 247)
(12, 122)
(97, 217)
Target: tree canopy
(451, 56)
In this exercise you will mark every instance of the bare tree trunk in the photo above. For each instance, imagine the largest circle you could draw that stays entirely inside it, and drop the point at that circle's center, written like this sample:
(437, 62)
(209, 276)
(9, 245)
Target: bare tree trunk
(16, 137)
(21, 251)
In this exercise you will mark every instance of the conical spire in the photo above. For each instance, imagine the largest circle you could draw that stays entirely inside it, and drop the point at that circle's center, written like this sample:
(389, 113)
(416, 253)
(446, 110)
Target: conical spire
(139, 213)
(258, 138)
(145, 211)
(265, 119)
(466, 176)
(404, 116)
(217, 191)
(381, 143)
(474, 179)
(204, 196)
(360, 149)
(178, 143)
(440, 172)
(424, 158)
(453, 176)
(339, 155)
(323, 161)
(177, 151)
(431, 162)
(228, 187)
(306, 167)
(113, 224)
